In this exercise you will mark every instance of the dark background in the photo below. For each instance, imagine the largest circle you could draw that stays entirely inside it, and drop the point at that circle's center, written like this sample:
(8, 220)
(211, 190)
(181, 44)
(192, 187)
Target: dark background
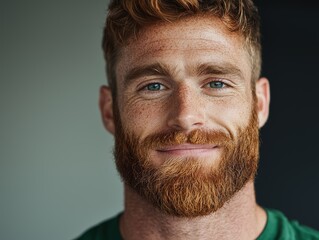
(288, 176)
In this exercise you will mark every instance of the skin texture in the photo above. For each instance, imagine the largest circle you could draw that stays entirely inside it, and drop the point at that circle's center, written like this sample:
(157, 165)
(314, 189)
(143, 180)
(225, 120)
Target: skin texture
(186, 99)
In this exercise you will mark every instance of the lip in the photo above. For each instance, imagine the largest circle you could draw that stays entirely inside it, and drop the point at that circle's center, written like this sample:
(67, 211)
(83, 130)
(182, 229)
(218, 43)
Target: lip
(186, 149)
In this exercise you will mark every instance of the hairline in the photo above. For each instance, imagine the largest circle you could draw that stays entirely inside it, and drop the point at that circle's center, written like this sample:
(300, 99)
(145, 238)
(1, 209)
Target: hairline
(249, 46)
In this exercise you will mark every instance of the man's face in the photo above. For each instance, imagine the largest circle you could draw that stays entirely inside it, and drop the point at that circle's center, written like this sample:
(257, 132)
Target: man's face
(186, 120)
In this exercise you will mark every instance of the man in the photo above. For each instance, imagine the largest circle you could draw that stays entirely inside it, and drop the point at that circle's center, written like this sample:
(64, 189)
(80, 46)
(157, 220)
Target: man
(185, 103)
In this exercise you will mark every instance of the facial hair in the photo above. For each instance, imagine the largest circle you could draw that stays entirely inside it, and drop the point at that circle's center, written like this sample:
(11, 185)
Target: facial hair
(187, 187)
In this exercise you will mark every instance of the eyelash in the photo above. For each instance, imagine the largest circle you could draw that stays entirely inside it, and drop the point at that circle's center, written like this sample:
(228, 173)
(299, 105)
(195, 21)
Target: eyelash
(144, 87)
(207, 85)
(224, 84)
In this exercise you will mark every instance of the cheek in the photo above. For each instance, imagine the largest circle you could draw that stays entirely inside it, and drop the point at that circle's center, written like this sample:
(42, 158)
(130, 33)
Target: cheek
(233, 113)
(142, 117)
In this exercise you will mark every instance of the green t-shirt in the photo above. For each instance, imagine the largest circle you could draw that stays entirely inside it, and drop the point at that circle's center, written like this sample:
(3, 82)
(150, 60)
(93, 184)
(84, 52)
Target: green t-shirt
(278, 227)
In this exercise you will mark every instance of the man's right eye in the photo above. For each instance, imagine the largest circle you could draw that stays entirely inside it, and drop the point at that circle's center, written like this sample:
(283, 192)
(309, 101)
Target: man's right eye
(154, 87)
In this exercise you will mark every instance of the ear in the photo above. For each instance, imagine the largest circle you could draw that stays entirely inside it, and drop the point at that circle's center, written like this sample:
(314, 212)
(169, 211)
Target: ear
(106, 108)
(263, 100)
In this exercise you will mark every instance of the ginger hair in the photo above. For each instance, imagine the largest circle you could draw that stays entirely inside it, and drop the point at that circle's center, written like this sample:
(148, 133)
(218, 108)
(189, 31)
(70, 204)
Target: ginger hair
(127, 17)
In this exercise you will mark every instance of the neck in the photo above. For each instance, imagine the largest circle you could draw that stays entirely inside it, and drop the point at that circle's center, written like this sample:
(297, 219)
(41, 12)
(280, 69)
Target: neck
(240, 218)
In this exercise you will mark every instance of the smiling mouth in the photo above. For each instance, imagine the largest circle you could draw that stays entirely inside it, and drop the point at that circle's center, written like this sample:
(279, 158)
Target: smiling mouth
(188, 149)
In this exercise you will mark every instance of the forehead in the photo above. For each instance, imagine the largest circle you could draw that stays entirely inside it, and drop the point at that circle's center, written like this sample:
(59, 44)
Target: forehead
(187, 41)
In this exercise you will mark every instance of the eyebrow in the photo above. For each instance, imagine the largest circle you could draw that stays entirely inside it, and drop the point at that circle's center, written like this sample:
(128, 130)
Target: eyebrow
(156, 69)
(159, 69)
(219, 69)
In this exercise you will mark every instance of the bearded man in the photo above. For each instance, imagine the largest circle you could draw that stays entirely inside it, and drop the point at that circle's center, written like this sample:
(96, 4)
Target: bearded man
(185, 102)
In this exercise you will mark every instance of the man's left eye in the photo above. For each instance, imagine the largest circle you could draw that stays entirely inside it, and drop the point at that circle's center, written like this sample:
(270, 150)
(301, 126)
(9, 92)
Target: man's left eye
(154, 87)
(216, 84)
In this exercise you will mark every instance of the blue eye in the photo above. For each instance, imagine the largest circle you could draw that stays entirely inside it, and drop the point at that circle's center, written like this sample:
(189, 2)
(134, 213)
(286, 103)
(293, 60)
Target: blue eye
(216, 84)
(154, 87)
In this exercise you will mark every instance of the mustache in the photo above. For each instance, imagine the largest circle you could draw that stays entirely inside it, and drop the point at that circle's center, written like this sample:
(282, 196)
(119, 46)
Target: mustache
(197, 136)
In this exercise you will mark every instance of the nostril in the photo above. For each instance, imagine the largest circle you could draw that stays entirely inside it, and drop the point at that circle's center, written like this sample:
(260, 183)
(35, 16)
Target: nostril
(186, 121)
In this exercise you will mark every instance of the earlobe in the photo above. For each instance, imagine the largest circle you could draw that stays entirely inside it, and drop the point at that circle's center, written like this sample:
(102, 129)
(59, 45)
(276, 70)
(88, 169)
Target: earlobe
(106, 108)
(263, 100)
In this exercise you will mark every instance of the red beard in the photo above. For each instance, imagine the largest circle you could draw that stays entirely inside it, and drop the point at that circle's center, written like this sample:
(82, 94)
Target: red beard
(188, 188)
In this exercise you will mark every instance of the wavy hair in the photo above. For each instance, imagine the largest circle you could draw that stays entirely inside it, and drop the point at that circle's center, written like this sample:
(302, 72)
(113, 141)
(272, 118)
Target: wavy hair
(126, 17)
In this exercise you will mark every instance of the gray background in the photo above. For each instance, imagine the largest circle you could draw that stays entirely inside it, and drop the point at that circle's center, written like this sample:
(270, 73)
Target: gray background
(57, 175)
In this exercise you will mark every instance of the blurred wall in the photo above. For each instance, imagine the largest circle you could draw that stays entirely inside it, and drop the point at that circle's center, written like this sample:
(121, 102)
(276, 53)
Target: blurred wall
(57, 175)
(288, 177)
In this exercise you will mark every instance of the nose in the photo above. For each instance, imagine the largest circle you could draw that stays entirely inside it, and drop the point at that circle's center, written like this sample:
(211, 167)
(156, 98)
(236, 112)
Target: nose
(187, 110)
